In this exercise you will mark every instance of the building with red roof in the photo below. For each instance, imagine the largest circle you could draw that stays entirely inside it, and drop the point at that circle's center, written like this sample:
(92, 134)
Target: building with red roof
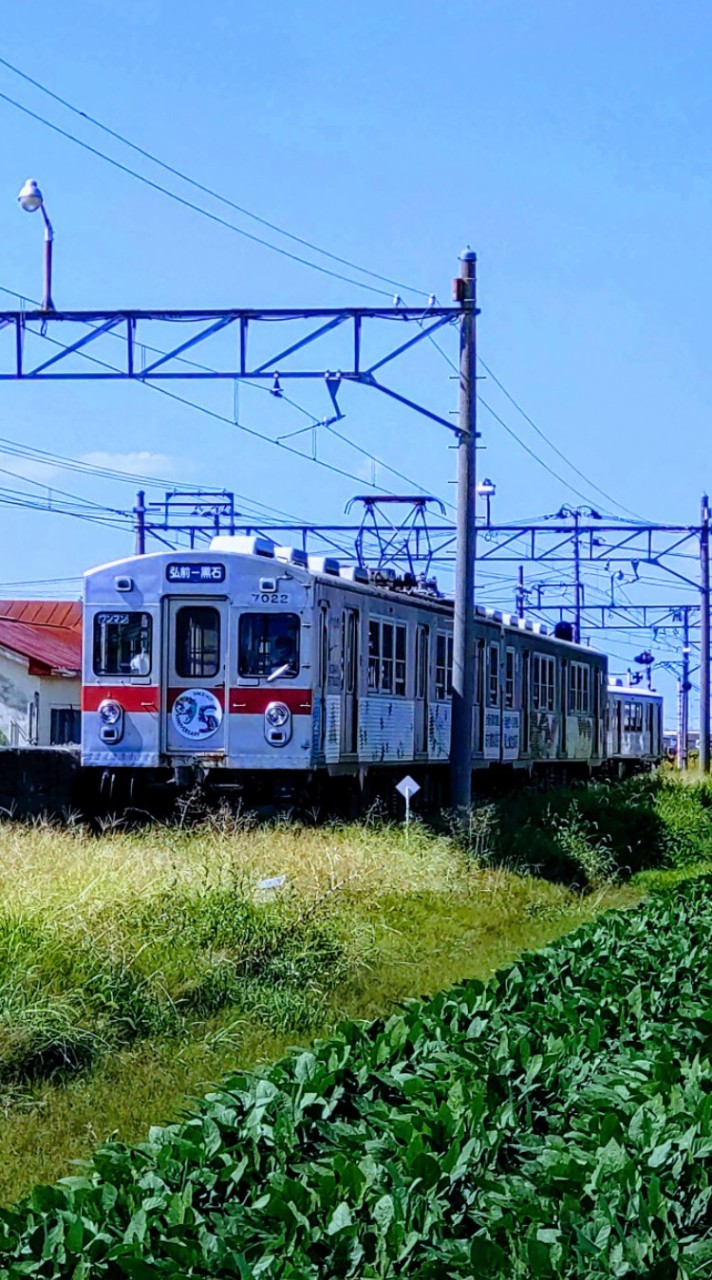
(40, 672)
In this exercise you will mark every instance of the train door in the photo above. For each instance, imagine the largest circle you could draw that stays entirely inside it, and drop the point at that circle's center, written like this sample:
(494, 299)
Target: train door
(323, 669)
(194, 676)
(422, 678)
(350, 661)
(619, 729)
(596, 712)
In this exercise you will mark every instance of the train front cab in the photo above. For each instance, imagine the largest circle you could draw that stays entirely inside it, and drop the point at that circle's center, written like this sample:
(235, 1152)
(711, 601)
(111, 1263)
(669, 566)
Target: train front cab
(194, 665)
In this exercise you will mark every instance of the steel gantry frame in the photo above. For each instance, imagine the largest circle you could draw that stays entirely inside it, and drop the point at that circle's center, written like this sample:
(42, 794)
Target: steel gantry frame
(139, 327)
(135, 326)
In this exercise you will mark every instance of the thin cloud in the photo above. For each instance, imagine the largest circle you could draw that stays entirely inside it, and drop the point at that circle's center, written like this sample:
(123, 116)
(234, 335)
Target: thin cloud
(139, 463)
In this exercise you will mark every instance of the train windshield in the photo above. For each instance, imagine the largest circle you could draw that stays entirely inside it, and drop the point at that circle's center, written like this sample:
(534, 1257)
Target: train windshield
(269, 645)
(122, 644)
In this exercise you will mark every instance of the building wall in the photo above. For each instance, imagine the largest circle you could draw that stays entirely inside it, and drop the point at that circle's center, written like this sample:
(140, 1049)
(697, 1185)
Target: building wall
(19, 692)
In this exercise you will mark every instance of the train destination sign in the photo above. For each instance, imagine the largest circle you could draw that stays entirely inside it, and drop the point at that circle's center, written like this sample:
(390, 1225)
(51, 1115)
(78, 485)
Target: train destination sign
(192, 572)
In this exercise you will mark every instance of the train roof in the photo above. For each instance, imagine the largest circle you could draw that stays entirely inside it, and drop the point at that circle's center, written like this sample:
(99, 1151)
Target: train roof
(632, 690)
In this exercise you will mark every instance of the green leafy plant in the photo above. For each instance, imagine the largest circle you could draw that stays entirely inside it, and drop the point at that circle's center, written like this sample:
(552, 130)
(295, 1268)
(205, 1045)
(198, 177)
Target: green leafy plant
(555, 1122)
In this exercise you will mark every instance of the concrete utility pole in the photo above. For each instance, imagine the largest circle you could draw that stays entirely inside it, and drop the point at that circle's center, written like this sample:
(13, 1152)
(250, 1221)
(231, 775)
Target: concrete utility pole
(521, 597)
(705, 636)
(140, 523)
(683, 707)
(578, 585)
(463, 659)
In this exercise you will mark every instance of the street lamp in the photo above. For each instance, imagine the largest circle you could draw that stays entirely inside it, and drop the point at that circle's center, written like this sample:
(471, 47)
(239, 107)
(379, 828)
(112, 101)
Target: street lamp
(30, 199)
(486, 489)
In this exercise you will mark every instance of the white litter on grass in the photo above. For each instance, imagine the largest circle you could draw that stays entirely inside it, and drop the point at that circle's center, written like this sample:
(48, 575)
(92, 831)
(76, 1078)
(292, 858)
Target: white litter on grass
(272, 882)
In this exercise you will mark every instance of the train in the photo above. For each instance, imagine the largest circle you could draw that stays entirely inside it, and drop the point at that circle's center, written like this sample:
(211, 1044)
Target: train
(264, 670)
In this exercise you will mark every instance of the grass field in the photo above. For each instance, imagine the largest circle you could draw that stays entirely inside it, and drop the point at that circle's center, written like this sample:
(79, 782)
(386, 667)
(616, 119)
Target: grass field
(137, 967)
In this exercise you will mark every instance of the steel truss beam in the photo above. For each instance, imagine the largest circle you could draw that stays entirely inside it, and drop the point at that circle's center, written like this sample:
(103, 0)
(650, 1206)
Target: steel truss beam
(138, 328)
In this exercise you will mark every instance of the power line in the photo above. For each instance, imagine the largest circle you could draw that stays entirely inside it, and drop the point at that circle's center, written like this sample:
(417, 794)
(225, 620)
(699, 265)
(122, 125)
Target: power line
(532, 454)
(187, 204)
(572, 488)
(209, 191)
(297, 258)
(557, 451)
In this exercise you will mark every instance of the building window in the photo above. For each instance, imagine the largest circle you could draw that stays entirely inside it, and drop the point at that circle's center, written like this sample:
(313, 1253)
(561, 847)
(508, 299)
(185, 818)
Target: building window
(386, 657)
(122, 644)
(64, 726)
(509, 678)
(269, 645)
(494, 675)
(543, 682)
(579, 695)
(443, 666)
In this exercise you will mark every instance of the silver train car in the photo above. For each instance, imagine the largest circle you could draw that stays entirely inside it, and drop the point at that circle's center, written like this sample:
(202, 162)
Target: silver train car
(634, 726)
(254, 665)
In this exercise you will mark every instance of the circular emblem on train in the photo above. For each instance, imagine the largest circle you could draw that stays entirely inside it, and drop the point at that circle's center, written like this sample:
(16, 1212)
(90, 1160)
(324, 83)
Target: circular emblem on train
(196, 713)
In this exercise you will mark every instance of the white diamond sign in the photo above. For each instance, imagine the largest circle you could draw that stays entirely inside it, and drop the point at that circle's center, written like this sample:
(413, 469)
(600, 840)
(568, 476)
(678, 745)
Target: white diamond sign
(407, 787)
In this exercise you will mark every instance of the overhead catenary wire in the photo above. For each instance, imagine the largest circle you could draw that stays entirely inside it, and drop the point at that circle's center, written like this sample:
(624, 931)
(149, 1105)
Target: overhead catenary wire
(199, 186)
(187, 204)
(532, 453)
(559, 452)
(152, 158)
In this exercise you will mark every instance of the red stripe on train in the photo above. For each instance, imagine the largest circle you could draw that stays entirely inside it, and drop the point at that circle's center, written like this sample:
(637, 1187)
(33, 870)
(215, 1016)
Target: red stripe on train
(254, 702)
(132, 697)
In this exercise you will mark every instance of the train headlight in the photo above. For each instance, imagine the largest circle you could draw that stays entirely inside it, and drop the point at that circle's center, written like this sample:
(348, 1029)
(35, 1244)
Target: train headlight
(111, 716)
(109, 712)
(278, 724)
(277, 714)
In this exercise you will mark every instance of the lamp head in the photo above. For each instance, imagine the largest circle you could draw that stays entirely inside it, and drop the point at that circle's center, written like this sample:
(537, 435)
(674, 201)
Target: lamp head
(30, 196)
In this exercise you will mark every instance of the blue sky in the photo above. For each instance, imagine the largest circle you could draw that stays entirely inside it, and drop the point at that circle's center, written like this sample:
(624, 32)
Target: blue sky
(567, 143)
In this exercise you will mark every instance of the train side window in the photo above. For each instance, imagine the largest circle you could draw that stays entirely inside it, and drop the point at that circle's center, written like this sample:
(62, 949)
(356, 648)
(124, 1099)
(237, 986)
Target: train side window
(374, 653)
(197, 641)
(122, 644)
(579, 689)
(268, 645)
(493, 689)
(633, 717)
(399, 689)
(386, 657)
(509, 678)
(543, 682)
(443, 666)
